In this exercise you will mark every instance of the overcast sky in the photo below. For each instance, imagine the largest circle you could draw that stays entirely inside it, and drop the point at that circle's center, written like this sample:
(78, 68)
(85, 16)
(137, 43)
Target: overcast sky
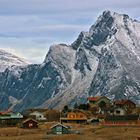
(29, 27)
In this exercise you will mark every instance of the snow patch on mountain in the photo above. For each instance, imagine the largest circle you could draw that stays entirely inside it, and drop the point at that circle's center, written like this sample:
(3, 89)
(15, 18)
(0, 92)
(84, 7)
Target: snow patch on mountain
(102, 61)
(7, 60)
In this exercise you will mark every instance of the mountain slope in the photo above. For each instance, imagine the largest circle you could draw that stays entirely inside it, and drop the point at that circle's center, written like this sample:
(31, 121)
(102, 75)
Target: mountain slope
(103, 61)
(107, 58)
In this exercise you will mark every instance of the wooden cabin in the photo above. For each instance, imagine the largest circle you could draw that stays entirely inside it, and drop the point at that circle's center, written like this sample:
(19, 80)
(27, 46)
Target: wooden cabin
(30, 123)
(75, 116)
(59, 129)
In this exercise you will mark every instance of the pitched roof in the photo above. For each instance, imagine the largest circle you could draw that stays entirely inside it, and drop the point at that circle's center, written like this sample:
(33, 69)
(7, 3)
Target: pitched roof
(29, 120)
(5, 112)
(28, 111)
(5, 116)
(36, 112)
(122, 101)
(79, 110)
(58, 125)
(96, 98)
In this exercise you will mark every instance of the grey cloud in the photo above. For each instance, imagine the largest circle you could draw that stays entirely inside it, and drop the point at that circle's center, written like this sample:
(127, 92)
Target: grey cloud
(54, 6)
(39, 23)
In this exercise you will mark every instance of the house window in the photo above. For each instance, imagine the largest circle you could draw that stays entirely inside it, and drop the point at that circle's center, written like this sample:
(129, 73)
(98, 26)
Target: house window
(71, 116)
(118, 112)
(30, 125)
(59, 129)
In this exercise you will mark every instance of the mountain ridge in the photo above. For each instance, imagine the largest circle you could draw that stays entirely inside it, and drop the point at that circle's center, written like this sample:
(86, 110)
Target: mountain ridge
(102, 61)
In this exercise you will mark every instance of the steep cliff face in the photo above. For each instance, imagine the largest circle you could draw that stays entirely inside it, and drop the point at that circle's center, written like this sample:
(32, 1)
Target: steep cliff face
(103, 61)
(117, 74)
(106, 61)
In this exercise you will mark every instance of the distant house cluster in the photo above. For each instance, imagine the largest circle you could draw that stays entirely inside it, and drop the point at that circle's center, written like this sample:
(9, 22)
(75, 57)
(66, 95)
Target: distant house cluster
(98, 110)
(26, 119)
(102, 110)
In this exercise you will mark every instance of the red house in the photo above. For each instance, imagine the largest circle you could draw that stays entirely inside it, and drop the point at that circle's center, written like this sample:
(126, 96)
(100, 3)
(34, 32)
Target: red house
(125, 104)
(30, 123)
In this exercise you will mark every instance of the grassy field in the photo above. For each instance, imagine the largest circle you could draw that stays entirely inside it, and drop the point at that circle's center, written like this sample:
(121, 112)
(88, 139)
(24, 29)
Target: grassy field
(87, 132)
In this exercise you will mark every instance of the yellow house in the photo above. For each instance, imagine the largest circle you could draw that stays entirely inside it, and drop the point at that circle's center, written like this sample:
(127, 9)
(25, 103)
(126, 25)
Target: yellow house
(75, 116)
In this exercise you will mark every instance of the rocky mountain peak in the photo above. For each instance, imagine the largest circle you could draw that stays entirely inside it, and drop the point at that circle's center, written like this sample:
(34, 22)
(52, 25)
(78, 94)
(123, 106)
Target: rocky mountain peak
(103, 61)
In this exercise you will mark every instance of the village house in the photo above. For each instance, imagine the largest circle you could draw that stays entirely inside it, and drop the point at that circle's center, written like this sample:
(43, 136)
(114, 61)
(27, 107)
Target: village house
(125, 103)
(38, 116)
(123, 107)
(10, 118)
(100, 101)
(100, 104)
(29, 123)
(59, 129)
(75, 116)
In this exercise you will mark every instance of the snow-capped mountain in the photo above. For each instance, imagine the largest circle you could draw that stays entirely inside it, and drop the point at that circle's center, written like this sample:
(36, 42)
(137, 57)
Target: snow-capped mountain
(103, 61)
(8, 60)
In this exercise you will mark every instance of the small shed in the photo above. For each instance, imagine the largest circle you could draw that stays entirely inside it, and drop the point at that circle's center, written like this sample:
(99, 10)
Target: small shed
(59, 129)
(30, 123)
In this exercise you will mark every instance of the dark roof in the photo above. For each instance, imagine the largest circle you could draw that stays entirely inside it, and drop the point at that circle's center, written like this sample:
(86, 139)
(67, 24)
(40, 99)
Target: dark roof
(122, 101)
(96, 98)
(29, 120)
(59, 124)
(122, 118)
(28, 111)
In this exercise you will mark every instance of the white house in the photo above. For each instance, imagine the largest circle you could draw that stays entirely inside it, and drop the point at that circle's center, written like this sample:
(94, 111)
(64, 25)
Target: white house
(39, 116)
(119, 111)
(15, 115)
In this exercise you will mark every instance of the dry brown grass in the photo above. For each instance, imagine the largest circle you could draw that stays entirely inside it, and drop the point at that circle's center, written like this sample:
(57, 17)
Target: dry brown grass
(88, 132)
(20, 134)
(102, 133)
